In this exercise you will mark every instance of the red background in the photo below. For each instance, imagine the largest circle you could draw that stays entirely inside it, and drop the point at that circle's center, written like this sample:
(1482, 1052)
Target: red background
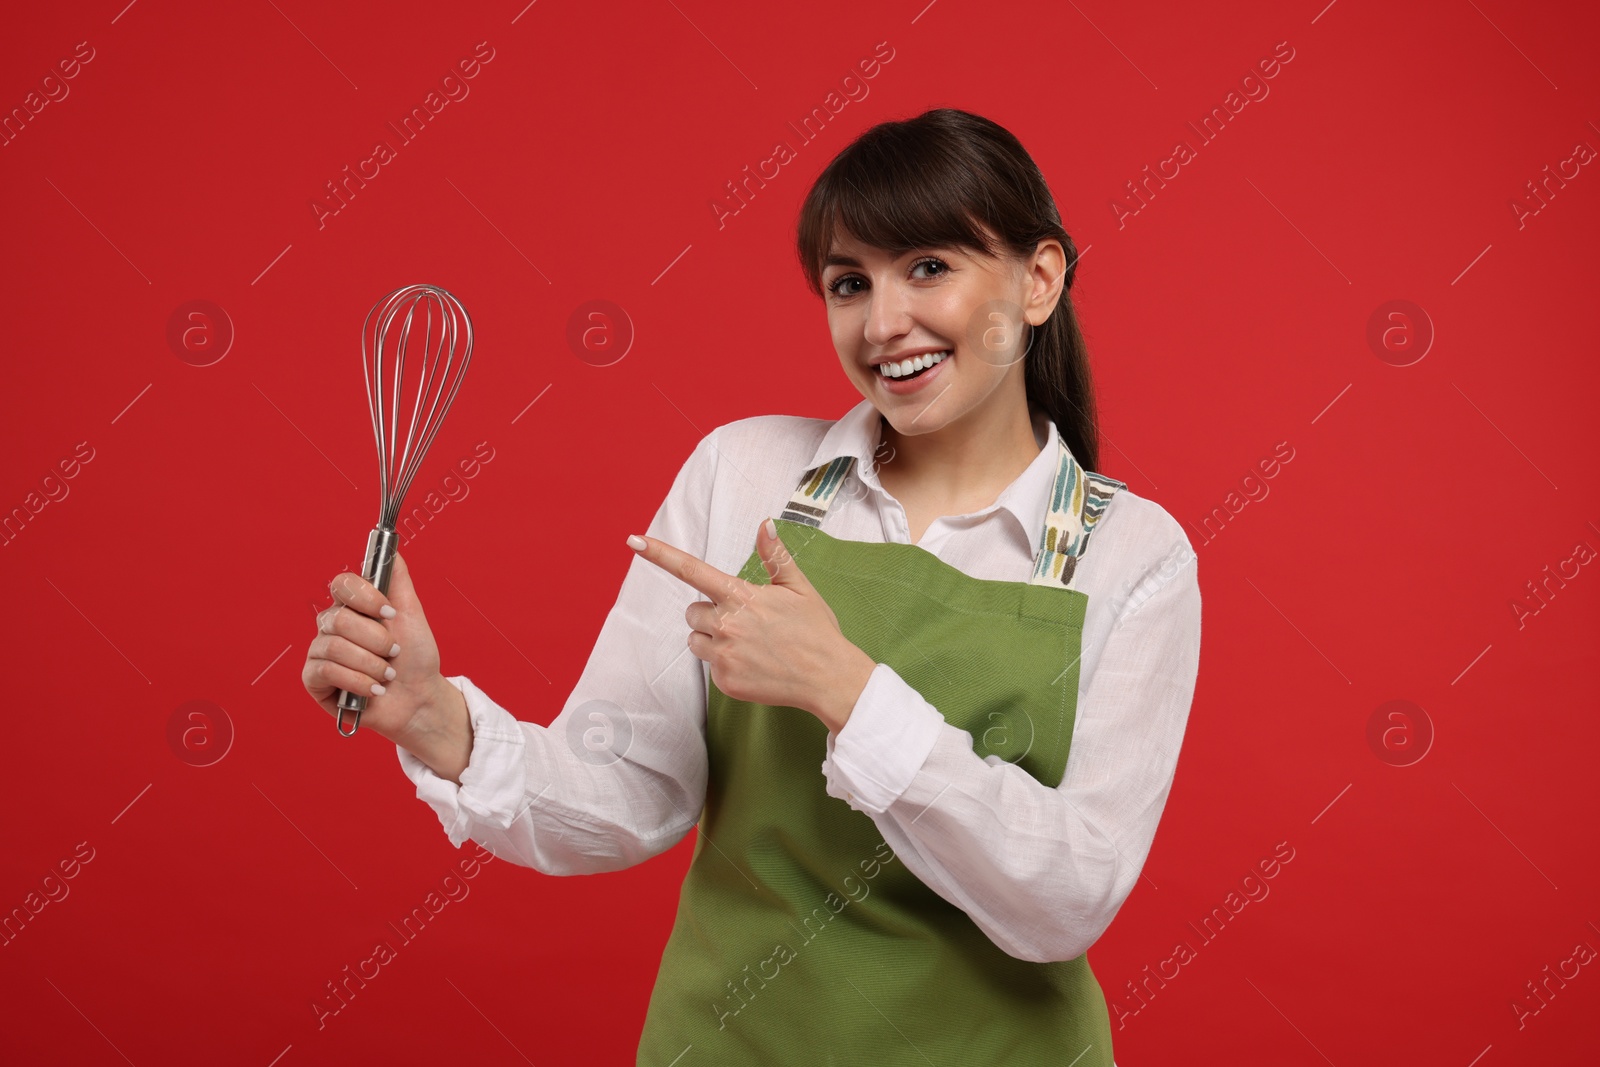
(1228, 315)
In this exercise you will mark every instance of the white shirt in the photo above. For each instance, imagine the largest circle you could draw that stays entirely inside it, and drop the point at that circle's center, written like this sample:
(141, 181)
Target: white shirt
(1041, 871)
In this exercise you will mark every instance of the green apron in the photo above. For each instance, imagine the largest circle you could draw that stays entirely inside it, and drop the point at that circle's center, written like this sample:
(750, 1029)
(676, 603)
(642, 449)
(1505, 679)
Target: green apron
(799, 937)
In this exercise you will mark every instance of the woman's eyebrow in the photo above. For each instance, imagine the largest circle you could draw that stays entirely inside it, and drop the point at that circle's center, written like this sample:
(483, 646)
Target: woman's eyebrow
(839, 259)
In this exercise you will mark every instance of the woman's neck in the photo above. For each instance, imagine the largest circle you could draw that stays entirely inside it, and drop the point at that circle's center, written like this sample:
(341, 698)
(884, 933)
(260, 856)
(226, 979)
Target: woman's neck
(963, 465)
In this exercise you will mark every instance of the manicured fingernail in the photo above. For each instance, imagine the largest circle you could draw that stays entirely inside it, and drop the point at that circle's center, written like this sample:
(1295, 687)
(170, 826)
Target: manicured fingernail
(388, 674)
(772, 529)
(386, 611)
(636, 542)
(395, 651)
(377, 690)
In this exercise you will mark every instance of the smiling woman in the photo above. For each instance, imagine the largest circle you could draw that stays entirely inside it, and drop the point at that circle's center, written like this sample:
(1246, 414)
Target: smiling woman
(905, 665)
(953, 333)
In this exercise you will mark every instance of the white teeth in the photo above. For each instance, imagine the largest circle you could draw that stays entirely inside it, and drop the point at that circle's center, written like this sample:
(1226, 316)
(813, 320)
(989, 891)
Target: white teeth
(912, 365)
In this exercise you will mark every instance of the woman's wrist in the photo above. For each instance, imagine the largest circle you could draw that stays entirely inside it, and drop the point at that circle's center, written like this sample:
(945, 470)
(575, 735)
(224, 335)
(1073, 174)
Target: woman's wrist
(847, 677)
(440, 732)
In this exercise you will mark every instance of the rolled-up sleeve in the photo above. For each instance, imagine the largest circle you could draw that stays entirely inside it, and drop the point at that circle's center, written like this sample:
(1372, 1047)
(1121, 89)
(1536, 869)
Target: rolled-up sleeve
(882, 745)
(619, 775)
(491, 788)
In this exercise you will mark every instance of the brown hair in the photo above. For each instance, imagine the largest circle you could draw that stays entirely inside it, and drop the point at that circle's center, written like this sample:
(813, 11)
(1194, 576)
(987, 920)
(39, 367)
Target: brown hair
(933, 180)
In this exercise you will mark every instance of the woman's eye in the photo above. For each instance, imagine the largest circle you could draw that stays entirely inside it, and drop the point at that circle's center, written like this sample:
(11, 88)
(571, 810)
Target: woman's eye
(837, 287)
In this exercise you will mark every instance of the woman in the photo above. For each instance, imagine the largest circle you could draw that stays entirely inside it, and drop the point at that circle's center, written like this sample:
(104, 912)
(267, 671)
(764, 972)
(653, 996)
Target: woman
(922, 621)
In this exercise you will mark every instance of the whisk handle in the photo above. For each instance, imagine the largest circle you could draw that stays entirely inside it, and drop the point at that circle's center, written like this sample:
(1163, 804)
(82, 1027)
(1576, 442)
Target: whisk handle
(379, 565)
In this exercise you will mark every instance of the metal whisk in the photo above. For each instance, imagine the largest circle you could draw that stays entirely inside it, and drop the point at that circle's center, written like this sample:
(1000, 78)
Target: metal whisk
(446, 349)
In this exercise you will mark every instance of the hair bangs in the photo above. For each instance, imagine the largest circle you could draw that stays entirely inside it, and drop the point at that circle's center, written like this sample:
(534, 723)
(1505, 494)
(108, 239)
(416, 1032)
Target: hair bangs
(893, 193)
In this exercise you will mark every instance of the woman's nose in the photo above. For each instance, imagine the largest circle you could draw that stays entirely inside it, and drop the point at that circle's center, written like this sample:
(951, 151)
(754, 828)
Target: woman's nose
(888, 315)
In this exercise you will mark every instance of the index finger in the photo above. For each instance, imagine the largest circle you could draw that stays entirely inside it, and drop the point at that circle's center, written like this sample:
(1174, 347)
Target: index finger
(689, 569)
(352, 589)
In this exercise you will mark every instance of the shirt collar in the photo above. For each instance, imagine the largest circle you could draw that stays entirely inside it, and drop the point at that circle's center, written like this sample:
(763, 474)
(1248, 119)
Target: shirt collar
(858, 432)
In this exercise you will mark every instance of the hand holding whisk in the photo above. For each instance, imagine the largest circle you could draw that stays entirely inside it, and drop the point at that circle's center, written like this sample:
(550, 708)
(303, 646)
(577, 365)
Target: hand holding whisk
(433, 364)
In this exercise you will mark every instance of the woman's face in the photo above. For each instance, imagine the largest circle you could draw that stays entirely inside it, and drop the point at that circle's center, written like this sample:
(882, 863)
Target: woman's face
(972, 314)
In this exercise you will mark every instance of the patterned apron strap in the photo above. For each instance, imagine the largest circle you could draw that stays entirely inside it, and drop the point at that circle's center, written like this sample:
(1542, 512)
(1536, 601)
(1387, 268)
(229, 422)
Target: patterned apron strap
(816, 491)
(1078, 499)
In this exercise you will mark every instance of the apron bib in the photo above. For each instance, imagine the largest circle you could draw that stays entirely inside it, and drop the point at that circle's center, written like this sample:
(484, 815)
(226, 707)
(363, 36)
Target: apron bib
(800, 938)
